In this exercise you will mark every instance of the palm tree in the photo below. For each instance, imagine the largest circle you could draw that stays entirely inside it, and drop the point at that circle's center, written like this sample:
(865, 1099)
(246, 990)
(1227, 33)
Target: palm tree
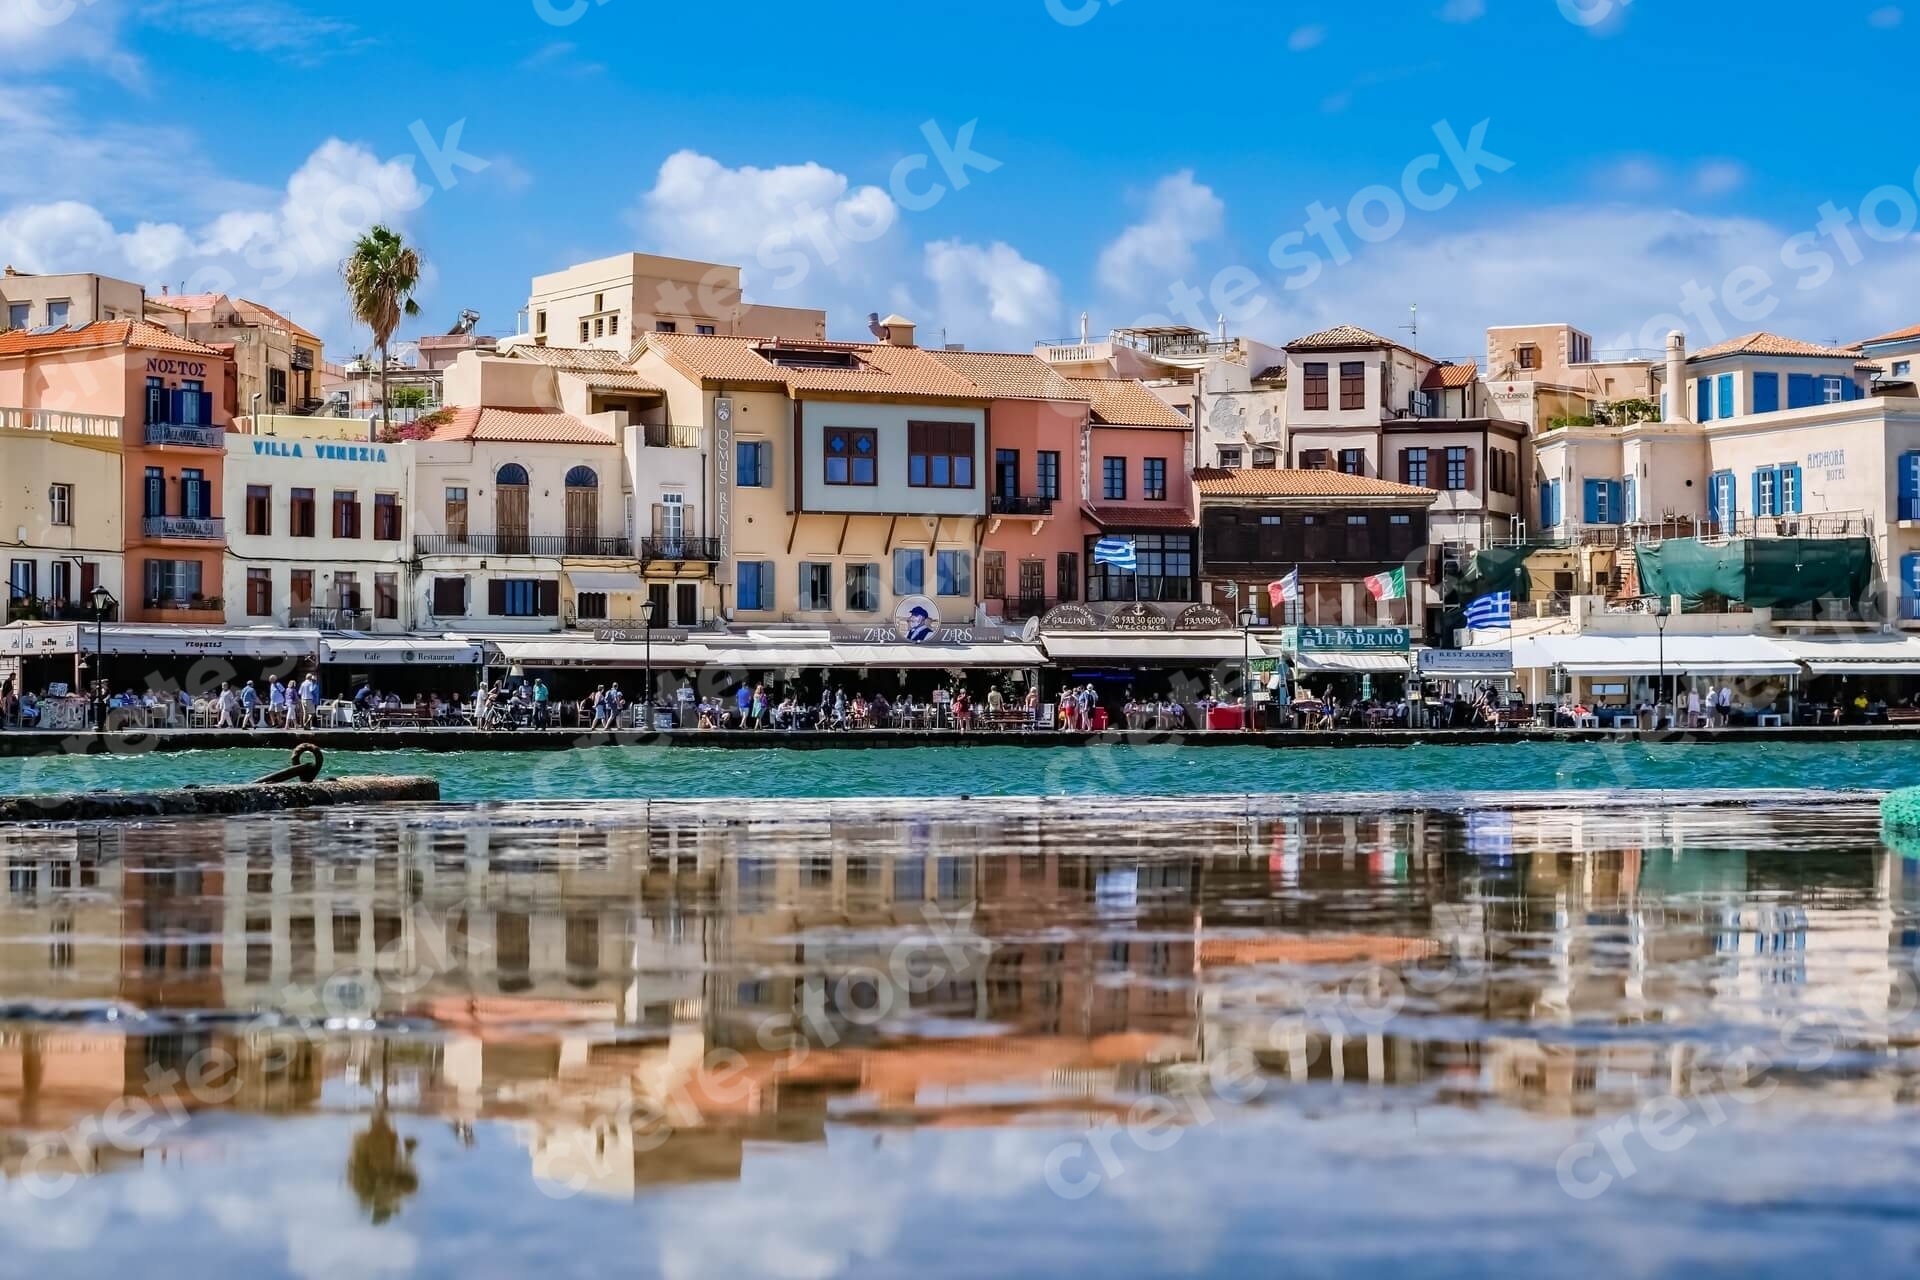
(381, 275)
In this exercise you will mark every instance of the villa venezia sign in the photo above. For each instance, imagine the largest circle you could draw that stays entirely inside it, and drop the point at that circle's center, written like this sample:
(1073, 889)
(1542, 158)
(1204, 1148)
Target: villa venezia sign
(323, 452)
(1349, 639)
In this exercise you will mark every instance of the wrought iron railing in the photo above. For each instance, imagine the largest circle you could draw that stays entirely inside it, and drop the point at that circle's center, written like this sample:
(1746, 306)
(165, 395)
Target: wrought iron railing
(1019, 505)
(192, 435)
(330, 619)
(522, 544)
(197, 528)
(670, 435)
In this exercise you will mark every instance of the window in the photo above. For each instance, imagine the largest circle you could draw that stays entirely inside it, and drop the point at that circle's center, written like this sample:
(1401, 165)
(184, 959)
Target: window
(1766, 393)
(1313, 387)
(60, 584)
(346, 592)
(1067, 575)
(1529, 357)
(1413, 467)
(260, 593)
(599, 302)
(450, 597)
(613, 326)
(599, 326)
(300, 513)
(590, 604)
(1459, 473)
(816, 587)
(1835, 390)
(1723, 392)
(1164, 571)
(1231, 458)
(346, 513)
(17, 315)
(954, 573)
(386, 595)
(173, 581)
(60, 504)
(386, 517)
(1153, 479)
(1316, 459)
(940, 455)
(540, 322)
(756, 590)
(1113, 473)
(851, 456)
(863, 588)
(523, 598)
(300, 588)
(1006, 473)
(665, 326)
(196, 495)
(1266, 459)
(1353, 384)
(909, 571)
(586, 331)
(703, 328)
(753, 464)
(1047, 475)
(276, 386)
(1353, 462)
(57, 310)
(260, 510)
(22, 580)
(1901, 368)
(456, 513)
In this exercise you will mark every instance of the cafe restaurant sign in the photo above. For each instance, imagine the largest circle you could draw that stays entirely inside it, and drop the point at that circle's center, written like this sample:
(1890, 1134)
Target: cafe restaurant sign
(1203, 617)
(1138, 617)
(1347, 639)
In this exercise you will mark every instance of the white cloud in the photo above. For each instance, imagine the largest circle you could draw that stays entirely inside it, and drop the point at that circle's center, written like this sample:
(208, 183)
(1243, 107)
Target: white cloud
(1304, 38)
(1146, 257)
(992, 295)
(1886, 18)
(1463, 10)
(273, 27)
(38, 34)
(1717, 177)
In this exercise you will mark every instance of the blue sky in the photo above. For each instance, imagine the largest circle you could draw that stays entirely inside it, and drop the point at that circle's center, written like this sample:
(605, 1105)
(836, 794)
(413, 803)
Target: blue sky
(1149, 154)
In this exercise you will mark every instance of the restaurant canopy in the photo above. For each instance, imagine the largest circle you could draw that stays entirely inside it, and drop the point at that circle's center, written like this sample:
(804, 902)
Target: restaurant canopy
(1365, 663)
(1857, 655)
(604, 581)
(542, 651)
(1641, 655)
(1151, 648)
(167, 640)
(390, 650)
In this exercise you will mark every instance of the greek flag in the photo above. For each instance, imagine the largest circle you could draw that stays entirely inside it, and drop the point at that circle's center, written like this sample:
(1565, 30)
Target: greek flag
(1117, 552)
(1491, 613)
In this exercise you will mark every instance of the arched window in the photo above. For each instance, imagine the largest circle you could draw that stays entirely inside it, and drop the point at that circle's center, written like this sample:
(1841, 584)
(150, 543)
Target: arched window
(514, 473)
(582, 478)
(510, 508)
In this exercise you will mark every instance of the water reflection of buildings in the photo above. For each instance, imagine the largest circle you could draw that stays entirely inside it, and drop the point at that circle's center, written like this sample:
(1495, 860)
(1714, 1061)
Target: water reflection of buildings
(576, 976)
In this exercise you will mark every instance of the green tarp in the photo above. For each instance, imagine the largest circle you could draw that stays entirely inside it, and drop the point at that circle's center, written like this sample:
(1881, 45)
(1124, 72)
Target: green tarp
(1762, 573)
(1495, 569)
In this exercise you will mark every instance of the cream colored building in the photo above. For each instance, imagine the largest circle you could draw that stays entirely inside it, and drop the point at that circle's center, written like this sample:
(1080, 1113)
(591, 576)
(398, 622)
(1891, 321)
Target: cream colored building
(29, 301)
(613, 303)
(1539, 372)
(61, 511)
(277, 362)
(319, 532)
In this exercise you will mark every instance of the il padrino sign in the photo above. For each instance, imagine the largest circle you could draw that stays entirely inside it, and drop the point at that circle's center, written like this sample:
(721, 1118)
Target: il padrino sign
(1346, 639)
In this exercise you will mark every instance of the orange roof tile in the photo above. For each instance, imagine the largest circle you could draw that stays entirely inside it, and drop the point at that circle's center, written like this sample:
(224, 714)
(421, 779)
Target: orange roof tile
(624, 380)
(1761, 343)
(1290, 483)
(267, 315)
(880, 369)
(1898, 335)
(1349, 337)
(101, 333)
(575, 359)
(249, 312)
(1443, 377)
(1126, 402)
(518, 426)
(1016, 377)
(1140, 517)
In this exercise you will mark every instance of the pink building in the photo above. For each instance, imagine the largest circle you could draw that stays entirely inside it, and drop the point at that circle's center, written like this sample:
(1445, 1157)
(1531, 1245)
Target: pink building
(1139, 487)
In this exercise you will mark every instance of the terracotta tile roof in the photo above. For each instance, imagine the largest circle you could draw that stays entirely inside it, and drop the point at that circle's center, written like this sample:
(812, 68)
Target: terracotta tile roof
(624, 380)
(518, 426)
(1342, 337)
(1448, 376)
(249, 312)
(1898, 335)
(1016, 377)
(1272, 373)
(1125, 402)
(1140, 517)
(881, 370)
(1760, 343)
(576, 359)
(101, 333)
(1287, 483)
(258, 314)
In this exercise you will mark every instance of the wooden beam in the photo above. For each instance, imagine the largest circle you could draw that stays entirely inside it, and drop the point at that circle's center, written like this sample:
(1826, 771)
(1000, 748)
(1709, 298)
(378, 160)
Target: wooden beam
(892, 521)
(845, 520)
(793, 529)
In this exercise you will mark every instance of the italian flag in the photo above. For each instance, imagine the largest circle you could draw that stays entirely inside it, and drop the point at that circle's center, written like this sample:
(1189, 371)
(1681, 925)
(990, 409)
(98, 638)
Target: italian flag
(1388, 586)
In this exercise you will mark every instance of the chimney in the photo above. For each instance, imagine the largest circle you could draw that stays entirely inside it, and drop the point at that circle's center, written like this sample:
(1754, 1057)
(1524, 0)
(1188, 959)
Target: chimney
(1083, 328)
(899, 330)
(1676, 408)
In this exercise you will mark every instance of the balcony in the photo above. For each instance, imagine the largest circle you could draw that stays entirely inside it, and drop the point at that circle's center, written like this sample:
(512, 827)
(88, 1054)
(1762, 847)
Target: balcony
(669, 435)
(1020, 608)
(680, 550)
(182, 417)
(300, 358)
(186, 434)
(209, 609)
(40, 610)
(320, 619)
(58, 422)
(185, 528)
(1019, 505)
(552, 546)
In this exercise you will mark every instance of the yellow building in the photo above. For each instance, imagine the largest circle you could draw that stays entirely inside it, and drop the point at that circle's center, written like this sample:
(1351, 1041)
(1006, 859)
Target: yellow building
(60, 510)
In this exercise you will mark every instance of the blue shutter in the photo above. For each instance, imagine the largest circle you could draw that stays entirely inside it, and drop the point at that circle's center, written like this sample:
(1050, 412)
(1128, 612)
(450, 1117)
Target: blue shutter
(1591, 512)
(1724, 395)
(1630, 508)
(1758, 509)
(1910, 586)
(1705, 393)
(1848, 390)
(1616, 514)
(1766, 393)
(1910, 486)
(1802, 390)
(173, 407)
(1799, 488)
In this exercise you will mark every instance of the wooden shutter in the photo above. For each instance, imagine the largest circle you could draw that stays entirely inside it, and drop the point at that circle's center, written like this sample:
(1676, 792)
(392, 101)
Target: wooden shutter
(547, 598)
(497, 597)
(659, 519)
(1406, 467)
(1470, 471)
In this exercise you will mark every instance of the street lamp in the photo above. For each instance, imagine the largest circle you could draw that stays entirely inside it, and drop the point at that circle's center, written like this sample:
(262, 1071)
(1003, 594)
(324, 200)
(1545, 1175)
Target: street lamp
(646, 617)
(1247, 618)
(102, 601)
(1662, 610)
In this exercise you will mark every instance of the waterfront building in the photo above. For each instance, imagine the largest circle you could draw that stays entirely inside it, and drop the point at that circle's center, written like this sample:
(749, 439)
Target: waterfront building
(319, 535)
(1138, 473)
(61, 507)
(614, 303)
(169, 400)
(276, 361)
(29, 300)
(1541, 373)
(1172, 360)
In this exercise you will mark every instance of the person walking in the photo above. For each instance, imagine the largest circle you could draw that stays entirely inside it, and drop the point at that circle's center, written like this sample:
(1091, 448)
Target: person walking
(277, 704)
(1724, 701)
(1693, 707)
(249, 706)
(229, 708)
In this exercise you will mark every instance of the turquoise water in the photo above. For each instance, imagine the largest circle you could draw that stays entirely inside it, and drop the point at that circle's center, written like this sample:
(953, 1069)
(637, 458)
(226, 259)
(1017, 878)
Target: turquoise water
(652, 772)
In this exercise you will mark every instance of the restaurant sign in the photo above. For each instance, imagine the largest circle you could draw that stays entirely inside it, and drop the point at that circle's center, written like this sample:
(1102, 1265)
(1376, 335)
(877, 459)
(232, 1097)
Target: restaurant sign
(916, 620)
(1466, 662)
(1347, 639)
(1069, 617)
(1203, 617)
(1138, 617)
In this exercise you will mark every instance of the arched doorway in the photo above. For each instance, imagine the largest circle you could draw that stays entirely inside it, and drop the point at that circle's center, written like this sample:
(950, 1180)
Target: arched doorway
(510, 509)
(583, 511)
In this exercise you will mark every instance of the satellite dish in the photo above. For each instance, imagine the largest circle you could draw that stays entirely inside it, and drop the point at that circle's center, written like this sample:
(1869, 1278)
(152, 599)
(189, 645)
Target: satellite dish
(1031, 631)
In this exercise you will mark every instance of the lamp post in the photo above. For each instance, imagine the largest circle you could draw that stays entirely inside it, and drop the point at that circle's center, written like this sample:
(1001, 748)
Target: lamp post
(102, 601)
(646, 617)
(1247, 618)
(1662, 610)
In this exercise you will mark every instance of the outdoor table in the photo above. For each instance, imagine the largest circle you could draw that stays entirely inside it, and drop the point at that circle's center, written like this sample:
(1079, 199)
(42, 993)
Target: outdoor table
(1588, 721)
(1770, 720)
(1226, 717)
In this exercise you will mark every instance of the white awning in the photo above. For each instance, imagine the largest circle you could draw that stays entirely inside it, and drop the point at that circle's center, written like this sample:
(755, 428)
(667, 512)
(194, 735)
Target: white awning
(1861, 655)
(385, 650)
(600, 581)
(28, 639)
(1590, 655)
(948, 655)
(1381, 663)
(1148, 647)
(546, 652)
(768, 657)
(233, 642)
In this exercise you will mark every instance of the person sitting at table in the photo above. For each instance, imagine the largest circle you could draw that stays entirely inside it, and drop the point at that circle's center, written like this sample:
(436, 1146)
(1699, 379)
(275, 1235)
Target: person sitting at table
(28, 712)
(881, 712)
